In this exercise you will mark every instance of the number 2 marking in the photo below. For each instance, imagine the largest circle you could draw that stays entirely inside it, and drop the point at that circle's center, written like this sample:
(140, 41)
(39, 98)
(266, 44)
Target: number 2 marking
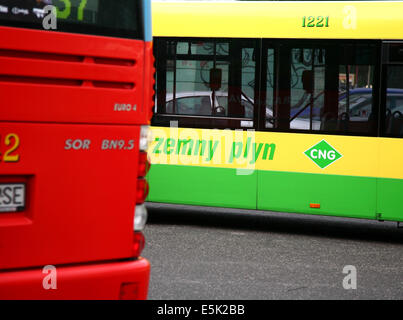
(320, 22)
(7, 157)
(311, 22)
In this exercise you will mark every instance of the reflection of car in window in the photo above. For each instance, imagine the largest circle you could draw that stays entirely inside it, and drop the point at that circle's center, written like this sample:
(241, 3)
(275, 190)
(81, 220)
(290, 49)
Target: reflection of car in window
(297, 123)
(360, 104)
(200, 103)
(189, 104)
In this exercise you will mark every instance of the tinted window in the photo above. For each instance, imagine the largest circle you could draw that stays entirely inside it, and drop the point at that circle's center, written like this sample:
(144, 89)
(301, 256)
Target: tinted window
(190, 67)
(394, 101)
(99, 17)
(210, 79)
(322, 87)
(199, 105)
(280, 85)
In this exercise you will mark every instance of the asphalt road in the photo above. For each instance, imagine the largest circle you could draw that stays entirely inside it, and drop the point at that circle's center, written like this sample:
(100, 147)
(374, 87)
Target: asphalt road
(210, 253)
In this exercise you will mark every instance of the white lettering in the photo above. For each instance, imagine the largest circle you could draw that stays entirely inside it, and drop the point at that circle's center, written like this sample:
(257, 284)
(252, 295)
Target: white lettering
(50, 281)
(3, 9)
(312, 155)
(40, 13)
(77, 144)
(350, 281)
(322, 154)
(167, 310)
(350, 21)
(331, 155)
(124, 107)
(50, 19)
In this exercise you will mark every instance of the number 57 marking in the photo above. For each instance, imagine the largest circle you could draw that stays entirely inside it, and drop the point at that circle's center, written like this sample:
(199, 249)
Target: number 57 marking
(65, 13)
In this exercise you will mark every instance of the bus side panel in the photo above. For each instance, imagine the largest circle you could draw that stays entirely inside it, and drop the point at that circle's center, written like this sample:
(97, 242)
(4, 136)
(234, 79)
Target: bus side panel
(337, 195)
(339, 173)
(199, 167)
(205, 186)
(79, 207)
(390, 186)
(390, 200)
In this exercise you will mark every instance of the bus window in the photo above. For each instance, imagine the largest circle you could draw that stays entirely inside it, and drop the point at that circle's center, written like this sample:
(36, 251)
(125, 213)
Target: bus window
(205, 83)
(189, 105)
(295, 101)
(267, 94)
(394, 101)
(248, 65)
(307, 87)
(357, 103)
(324, 88)
(188, 67)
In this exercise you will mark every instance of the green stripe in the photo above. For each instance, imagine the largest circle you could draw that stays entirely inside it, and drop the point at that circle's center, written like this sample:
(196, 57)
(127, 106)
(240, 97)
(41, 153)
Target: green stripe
(344, 196)
(202, 186)
(390, 199)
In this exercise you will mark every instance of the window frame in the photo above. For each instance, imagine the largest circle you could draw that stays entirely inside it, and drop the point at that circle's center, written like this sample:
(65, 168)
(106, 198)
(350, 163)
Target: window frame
(261, 46)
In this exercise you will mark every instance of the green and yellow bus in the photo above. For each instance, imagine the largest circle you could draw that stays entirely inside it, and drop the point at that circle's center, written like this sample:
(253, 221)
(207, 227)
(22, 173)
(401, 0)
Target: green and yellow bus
(280, 106)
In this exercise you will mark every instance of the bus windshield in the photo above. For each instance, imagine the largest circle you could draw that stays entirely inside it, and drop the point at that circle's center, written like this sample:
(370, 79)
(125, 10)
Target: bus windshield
(97, 17)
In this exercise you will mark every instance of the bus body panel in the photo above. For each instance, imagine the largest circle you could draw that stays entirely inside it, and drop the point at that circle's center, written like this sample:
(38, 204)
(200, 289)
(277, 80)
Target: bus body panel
(181, 168)
(273, 19)
(219, 187)
(293, 181)
(106, 281)
(78, 208)
(363, 183)
(334, 195)
(390, 184)
(72, 78)
(72, 107)
(389, 197)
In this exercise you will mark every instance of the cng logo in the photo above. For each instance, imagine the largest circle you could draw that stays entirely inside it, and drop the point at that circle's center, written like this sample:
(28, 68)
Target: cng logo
(323, 154)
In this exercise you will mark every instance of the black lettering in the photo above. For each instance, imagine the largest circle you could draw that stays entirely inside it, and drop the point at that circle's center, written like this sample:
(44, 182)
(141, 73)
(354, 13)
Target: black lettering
(7, 191)
(17, 194)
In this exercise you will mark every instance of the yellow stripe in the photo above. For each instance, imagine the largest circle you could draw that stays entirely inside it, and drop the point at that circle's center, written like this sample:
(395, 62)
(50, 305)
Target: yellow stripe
(361, 156)
(391, 158)
(278, 19)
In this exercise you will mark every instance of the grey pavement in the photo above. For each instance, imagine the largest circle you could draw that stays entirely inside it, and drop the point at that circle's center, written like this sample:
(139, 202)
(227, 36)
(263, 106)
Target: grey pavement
(214, 253)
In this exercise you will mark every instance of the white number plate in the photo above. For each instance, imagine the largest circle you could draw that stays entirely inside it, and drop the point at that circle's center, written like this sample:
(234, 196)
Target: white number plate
(12, 197)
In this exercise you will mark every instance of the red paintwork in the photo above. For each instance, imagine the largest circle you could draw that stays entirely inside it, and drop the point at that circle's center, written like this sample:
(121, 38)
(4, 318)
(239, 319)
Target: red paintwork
(62, 81)
(92, 281)
(80, 203)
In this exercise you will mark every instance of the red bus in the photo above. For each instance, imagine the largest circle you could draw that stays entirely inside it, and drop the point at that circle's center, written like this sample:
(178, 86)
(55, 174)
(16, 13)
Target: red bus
(76, 87)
